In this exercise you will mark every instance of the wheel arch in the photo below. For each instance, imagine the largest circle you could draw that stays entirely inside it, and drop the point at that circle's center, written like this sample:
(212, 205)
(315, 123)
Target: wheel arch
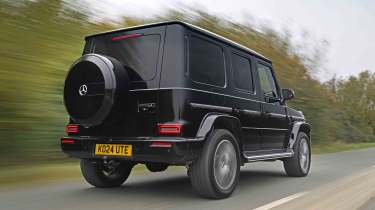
(305, 127)
(295, 129)
(221, 121)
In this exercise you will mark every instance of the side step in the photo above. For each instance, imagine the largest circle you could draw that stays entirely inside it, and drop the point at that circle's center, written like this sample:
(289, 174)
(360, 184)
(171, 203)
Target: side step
(253, 156)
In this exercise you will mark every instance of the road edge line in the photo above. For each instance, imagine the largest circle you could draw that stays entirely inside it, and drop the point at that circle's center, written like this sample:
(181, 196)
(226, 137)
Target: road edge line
(280, 201)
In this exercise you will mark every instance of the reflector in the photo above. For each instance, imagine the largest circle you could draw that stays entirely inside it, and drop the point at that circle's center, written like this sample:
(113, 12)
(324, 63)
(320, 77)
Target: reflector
(67, 141)
(161, 144)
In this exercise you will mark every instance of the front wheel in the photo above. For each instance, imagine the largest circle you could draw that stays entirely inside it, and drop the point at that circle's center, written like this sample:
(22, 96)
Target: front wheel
(216, 172)
(105, 173)
(299, 164)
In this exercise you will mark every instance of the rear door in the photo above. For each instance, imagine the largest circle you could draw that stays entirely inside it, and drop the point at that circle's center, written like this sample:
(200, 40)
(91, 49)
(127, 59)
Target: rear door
(140, 51)
(274, 122)
(245, 102)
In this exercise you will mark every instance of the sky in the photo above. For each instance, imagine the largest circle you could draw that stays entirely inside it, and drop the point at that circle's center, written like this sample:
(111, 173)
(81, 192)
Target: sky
(347, 25)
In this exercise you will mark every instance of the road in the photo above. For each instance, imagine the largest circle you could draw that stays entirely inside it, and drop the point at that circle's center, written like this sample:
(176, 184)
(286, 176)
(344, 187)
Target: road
(343, 180)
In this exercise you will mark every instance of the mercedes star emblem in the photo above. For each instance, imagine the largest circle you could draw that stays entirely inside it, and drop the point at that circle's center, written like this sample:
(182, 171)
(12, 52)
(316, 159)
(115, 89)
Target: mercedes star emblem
(82, 90)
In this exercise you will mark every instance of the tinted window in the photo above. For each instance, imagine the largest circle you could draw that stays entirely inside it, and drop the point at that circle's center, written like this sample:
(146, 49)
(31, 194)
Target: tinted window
(139, 54)
(243, 78)
(206, 62)
(267, 83)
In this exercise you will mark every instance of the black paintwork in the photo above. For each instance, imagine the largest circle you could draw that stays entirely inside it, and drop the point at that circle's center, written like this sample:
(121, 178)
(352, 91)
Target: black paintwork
(172, 97)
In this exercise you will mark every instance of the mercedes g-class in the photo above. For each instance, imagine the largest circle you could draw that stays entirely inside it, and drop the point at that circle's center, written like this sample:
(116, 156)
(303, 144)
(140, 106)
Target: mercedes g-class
(175, 94)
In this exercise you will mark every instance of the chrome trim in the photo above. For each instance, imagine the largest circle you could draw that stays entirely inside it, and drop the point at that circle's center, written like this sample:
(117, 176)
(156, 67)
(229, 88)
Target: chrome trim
(224, 108)
(251, 112)
(277, 115)
(255, 128)
(297, 117)
(269, 156)
(204, 91)
(207, 106)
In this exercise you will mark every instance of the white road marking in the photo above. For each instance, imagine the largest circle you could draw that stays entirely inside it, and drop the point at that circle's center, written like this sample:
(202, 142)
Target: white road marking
(281, 201)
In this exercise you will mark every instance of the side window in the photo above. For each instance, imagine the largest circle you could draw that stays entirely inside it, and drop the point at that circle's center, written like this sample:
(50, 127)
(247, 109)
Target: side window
(243, 78)
(206, 62)
(267, 82)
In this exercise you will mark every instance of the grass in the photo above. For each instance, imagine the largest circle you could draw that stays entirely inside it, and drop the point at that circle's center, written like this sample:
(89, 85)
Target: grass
(339, 147)
(21, 175)
(24, 174)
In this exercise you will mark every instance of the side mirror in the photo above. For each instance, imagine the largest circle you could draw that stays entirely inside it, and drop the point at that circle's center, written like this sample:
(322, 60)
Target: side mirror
(287, 94)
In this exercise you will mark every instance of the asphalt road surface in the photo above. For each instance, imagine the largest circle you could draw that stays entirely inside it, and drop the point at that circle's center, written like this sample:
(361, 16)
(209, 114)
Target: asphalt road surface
(343, 180)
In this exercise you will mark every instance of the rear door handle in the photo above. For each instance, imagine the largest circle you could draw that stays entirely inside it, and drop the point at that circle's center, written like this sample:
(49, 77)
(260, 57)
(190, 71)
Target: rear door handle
(236, 111)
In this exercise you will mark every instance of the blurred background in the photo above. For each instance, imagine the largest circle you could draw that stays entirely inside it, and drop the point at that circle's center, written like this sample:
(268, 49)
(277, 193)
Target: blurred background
(39, 40)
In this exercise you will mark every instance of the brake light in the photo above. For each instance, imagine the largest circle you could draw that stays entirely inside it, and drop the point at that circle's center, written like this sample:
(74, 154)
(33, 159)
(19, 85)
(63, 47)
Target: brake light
(71, 129)
(161, 144)
(67, 141)
(126, 37)
(174, 128)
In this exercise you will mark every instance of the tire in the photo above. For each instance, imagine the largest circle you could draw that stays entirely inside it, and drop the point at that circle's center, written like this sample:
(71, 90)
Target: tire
(98, 174)
(156, 167)
(299, 164)
(216, 177)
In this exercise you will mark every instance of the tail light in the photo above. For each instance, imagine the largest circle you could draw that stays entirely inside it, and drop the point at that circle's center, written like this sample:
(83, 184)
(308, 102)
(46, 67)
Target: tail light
(67, 141)
(71, 129)
(170, 128)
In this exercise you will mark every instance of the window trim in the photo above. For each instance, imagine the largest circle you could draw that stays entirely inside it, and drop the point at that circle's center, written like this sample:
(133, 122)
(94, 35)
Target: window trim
(189, 36)
(232, 52)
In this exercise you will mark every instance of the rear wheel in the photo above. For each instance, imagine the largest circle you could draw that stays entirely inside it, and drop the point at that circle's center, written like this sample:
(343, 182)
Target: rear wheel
(299, 164)
(105, 173)
(215, 173)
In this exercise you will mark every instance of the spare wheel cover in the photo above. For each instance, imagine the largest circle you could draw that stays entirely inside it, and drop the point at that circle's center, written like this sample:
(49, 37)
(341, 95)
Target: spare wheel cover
(90, 88)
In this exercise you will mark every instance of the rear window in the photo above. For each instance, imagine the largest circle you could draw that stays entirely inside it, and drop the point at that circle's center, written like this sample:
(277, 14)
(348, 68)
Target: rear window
(206, 62)
(138, 53)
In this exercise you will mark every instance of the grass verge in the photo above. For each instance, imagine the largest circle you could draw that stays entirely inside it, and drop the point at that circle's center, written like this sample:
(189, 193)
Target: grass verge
(339, 147)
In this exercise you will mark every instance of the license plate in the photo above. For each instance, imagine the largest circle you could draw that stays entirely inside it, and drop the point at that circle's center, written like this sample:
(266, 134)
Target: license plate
(113, 149)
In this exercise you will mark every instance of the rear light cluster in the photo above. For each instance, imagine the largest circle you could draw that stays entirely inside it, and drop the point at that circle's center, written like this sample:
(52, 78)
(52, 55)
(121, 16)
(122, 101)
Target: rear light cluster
(67, 141)
(71, 129)
(170, 128)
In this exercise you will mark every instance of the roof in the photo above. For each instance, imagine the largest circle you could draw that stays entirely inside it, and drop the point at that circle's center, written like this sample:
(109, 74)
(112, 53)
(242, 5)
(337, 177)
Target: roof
(188, 25)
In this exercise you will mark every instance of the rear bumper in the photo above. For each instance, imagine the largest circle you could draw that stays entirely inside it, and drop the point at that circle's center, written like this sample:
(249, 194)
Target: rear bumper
(181, 151)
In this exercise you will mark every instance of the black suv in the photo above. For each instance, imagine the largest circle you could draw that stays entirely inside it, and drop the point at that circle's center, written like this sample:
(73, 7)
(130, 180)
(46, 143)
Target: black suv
(174, 94)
